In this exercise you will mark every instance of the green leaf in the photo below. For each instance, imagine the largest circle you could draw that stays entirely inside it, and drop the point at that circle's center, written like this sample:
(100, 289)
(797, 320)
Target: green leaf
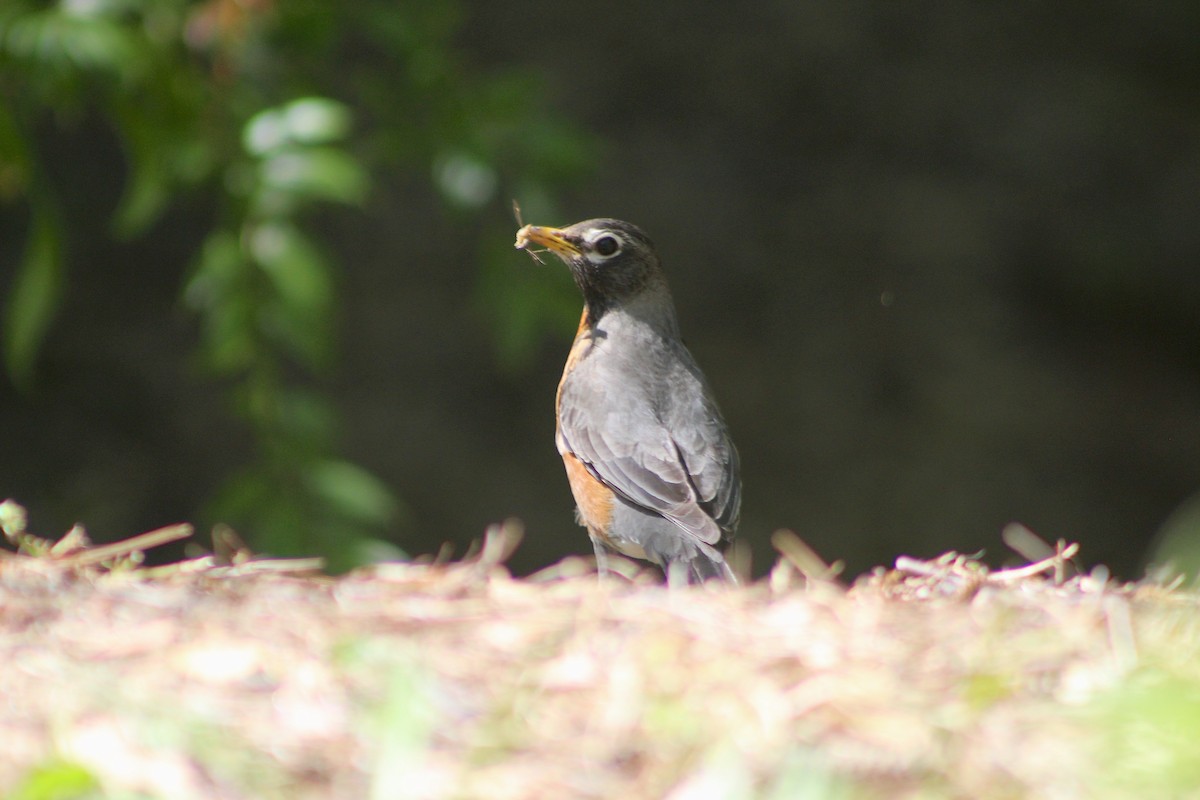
(299, 314)
(150, 183)
(245, 500)
(465, 180)
(167, 139)
(55, 780)
(220, 291)
(230, 343)
(63, 41)
(36, 294)
(1178, 541)
(319, 173)
(14, 155)
(298, 271)
(353, 492)
(309, 342)
(309, 120)
(219, 267)
(316, 120)
(146, 195)
(307, 421)
(265, 132)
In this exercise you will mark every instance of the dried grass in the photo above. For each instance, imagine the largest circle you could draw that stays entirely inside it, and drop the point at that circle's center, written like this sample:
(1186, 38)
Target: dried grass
(266, 679)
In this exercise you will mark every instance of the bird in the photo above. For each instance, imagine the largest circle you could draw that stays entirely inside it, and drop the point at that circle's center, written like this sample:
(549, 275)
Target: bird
(652, 468)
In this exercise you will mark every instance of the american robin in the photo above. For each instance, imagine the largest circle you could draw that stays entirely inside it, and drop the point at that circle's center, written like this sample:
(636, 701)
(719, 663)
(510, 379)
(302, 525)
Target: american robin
(649, 459)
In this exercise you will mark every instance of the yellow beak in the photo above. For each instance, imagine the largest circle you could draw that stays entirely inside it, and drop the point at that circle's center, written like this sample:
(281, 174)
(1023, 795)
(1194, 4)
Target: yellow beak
(553, 239)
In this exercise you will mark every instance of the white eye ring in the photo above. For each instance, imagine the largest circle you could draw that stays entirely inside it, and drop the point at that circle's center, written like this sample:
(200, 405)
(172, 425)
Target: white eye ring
(603, 244)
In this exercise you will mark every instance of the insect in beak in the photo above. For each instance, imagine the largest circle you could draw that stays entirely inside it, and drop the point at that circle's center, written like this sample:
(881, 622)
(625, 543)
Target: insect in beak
(521, 242)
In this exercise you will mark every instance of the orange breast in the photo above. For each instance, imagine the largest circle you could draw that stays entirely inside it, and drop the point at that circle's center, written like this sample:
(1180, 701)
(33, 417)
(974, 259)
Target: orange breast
(578, 348)
(593, 498)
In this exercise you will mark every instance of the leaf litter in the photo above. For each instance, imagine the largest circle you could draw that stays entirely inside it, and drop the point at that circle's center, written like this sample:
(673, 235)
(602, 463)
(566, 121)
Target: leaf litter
(232, 676)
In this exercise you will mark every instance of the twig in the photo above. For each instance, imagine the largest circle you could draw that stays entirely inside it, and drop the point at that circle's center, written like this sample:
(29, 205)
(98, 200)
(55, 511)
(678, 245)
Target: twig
(954, 565)
(314, 564)
(499, 542)
(800, 555)
(1055, 562)
(925, 569)
(143, 541)
(1121, 638)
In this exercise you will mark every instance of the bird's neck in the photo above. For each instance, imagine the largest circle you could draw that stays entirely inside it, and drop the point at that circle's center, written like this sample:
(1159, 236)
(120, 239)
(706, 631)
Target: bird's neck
(651, 308)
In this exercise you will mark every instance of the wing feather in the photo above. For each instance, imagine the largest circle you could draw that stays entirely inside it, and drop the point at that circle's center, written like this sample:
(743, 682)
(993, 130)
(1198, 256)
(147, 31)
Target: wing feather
(662, 446)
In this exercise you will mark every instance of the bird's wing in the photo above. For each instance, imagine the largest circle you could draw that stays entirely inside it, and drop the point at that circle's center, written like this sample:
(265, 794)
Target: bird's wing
(670, 456)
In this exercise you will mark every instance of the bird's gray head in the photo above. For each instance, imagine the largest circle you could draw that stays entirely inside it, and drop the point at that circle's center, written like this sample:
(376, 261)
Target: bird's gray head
(612, 261)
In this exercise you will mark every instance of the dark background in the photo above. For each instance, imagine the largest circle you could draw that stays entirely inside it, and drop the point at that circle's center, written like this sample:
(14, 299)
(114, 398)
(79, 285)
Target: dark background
(940, 262)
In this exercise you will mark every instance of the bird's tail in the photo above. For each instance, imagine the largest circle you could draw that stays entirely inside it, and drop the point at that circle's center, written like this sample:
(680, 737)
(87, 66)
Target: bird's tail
(702, 563)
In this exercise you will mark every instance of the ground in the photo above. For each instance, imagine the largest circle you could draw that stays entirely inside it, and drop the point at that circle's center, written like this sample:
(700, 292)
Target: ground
(222, 677)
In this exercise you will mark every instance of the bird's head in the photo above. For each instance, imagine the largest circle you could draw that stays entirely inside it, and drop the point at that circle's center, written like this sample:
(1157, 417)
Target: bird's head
(612, 261)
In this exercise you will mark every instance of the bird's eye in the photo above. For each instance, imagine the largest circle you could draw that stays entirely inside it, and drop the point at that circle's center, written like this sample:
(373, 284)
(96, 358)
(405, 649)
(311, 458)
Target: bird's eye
(607, 245)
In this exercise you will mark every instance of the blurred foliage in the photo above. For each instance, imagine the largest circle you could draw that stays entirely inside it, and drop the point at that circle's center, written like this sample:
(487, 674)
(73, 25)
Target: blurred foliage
(1176, 549)
(56, 779)
(275, 111)
(1151, 736)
